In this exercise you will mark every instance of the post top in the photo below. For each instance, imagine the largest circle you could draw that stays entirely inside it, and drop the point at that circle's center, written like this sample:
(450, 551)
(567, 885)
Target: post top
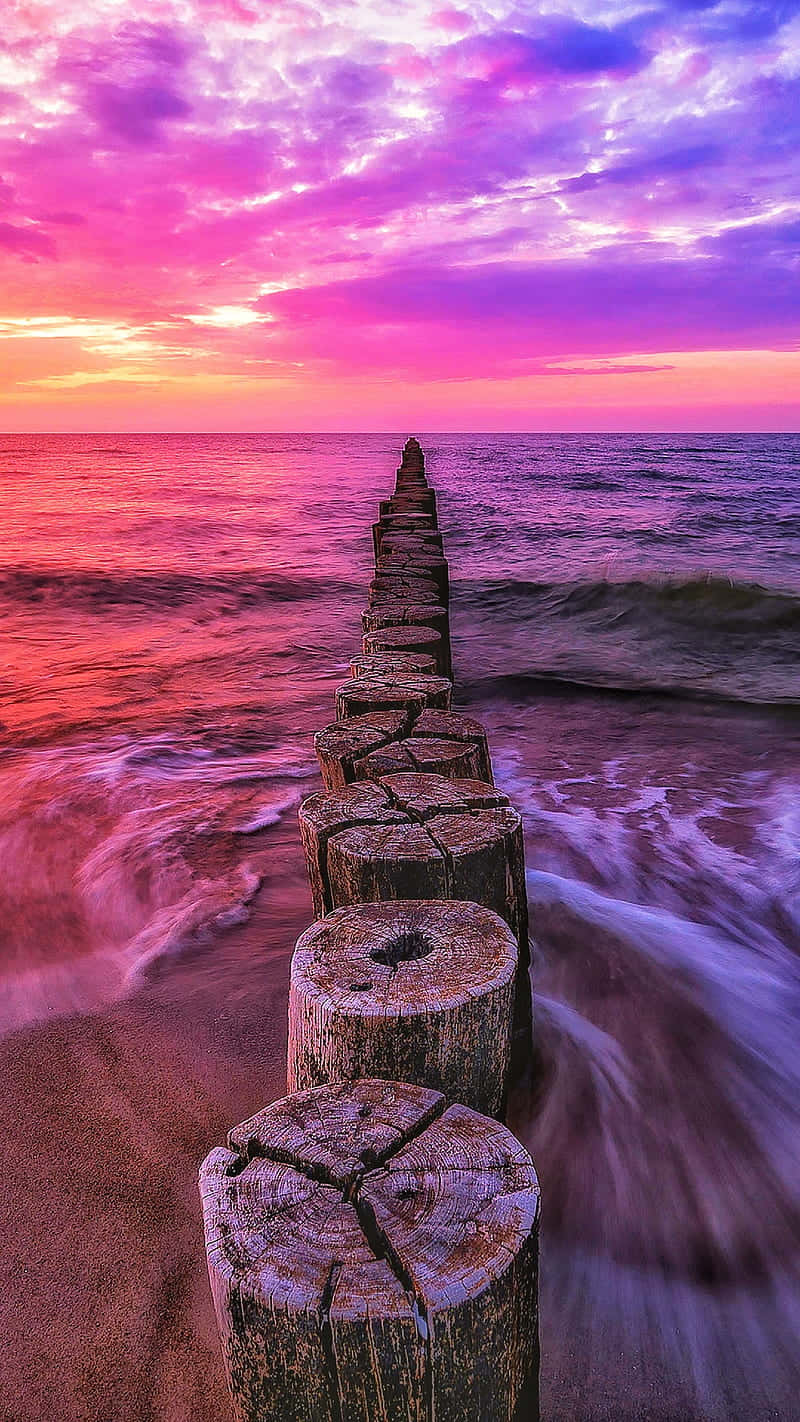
(367, 1199)
(400, 959)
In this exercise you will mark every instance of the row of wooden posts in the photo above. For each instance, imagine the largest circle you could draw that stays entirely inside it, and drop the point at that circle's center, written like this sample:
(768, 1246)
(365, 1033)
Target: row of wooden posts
(372, 1238)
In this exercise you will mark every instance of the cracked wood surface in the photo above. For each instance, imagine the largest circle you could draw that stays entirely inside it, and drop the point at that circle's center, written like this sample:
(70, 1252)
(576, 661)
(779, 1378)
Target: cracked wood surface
(387, 663)
(412, 591)
(399, 611)
(380, 743)
(409, 502)
(417, 836)
(382, 584)
(401, 523)
(373, 1255)
(427, 565)
(412, 541)
(391, 692)
(396, 611)
(421, 991)
(396, 800)
(409, 639)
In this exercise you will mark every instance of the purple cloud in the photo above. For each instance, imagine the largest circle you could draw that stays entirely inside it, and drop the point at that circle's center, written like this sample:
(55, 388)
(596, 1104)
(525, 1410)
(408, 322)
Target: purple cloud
(127, 80)
(434, 202)
(135, 112)
(570, 47)
(549, 48)
(649, 166)
(29, 241)
(501, 313)
(736, 21)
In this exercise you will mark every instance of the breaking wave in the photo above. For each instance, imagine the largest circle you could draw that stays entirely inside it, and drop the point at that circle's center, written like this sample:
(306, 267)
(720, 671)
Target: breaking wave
(702, 602)
(98, 590)
(707, 636)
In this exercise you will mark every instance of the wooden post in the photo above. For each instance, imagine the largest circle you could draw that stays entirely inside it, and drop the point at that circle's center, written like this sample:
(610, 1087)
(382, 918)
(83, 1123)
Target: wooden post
(373, 1251)
(457, 852)
(373, 1256)
(389, 663)
(411, 592)
(404, 521)
(409, 639)
(344, 745)
(420, 503)
(427, 562)
(380, 743)
(397, 612)
(419, 990)
(411, 541)
(389, 521)
(364, 694)
(328, 814)
(433, 730)
(387, 584)
(401, 523)
(419, 565)
(423, 837)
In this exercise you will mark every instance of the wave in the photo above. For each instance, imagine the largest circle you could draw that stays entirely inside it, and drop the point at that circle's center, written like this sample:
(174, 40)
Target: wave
(518, 685)
(602, 484)
(700, 636)
(98, 590)
(707, 600)
(152, 852)
(718, 1016)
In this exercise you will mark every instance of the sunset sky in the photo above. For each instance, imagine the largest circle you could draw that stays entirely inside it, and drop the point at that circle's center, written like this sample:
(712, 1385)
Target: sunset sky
(398, 214)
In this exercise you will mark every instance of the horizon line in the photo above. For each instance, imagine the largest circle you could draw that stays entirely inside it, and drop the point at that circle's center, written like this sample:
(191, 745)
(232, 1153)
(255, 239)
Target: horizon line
(378, 433)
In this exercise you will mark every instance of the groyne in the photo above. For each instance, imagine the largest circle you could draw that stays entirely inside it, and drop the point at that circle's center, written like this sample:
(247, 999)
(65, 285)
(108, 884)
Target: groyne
(372, 1238)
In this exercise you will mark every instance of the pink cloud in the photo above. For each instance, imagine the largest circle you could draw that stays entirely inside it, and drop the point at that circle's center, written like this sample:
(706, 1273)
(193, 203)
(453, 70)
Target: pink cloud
(450, 19)
(431, 207)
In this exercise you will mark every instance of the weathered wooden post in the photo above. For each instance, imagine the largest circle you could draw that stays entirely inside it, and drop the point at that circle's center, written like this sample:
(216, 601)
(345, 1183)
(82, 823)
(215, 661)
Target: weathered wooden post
(344, 745)
(404, 504)
(398, 611)
(408, 590)
(401, 600)
(384, 742)
(409, 639)
(362, 694)
(415, 562)
(373, 1256)
(423, 837)
(460, 838)
(387, 663)
(388, 584)
(411, 541)
(373, 1250)
(402, 523)
(423, 991)
(401, 596)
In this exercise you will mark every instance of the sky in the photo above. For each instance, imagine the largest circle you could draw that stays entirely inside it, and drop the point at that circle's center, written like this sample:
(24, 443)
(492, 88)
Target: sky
(234, 214)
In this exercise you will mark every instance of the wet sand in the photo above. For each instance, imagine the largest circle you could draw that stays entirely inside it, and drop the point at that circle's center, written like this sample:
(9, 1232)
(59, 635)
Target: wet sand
(105, 1310)
(104, 1307)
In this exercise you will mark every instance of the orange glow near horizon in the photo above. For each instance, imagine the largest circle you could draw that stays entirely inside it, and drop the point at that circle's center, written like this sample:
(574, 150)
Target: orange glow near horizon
(700, 390)
(326, 218)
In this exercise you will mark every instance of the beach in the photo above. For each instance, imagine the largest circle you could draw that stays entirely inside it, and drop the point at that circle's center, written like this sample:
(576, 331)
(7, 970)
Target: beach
(177, 612)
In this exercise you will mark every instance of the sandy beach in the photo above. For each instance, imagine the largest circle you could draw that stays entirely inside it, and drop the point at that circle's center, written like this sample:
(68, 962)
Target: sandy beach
(157, 743)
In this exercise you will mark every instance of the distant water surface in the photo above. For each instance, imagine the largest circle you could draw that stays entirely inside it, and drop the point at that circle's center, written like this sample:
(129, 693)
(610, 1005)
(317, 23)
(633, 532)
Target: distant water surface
(176, 612)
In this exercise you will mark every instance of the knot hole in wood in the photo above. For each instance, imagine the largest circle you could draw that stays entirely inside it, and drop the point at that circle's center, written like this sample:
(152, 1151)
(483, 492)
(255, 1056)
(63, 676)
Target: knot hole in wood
(405, 947)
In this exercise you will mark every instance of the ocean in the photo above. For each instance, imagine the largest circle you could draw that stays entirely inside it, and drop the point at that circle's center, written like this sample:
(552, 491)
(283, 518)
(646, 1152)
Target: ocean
(176, 613)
